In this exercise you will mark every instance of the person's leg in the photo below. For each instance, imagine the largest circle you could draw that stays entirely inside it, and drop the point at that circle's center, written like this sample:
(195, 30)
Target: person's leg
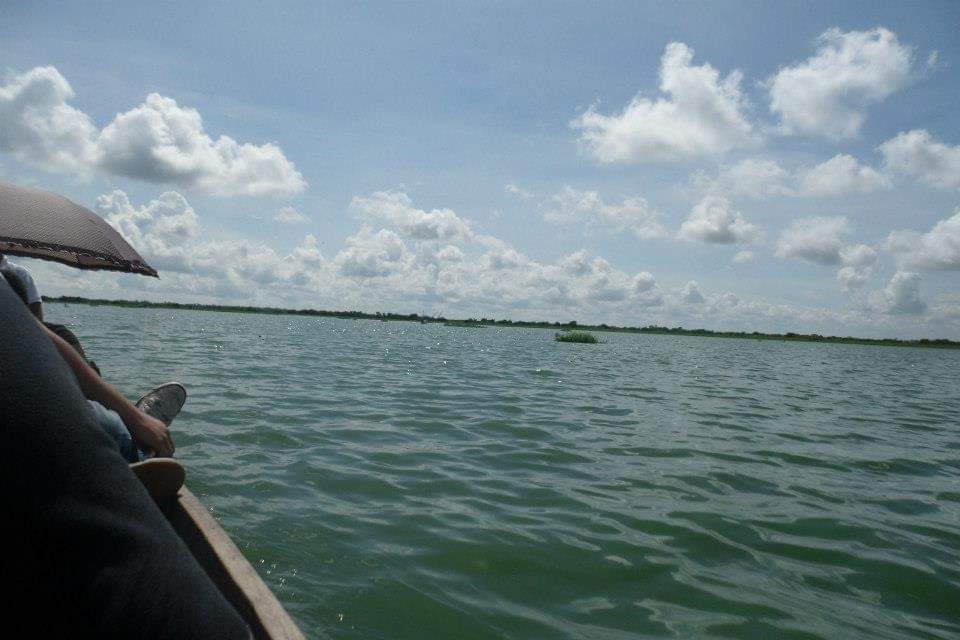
(110, 422)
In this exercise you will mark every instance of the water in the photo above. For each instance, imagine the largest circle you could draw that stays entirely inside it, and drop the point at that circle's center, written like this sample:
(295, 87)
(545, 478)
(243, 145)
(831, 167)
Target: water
(398, 480)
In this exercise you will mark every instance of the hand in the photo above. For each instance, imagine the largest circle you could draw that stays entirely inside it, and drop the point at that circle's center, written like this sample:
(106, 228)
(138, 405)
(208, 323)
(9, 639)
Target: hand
(151, 433)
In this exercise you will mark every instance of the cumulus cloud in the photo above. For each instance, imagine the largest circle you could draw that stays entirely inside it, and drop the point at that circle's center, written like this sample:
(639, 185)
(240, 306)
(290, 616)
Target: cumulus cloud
(597, 281)
(764, 178)
(504, 258)
(754, 178)
(159, 229)
(308, 252)
(851, 278)
(902, 295)
(167, 231)
(858, 255)
(714, 221)
(691, 293)
(818, 240)
(158, 141)
(839, 175)
(396, 208)
(916, 153)
(827, 94)
(40, 128)
(372, 255)
(859, 260)
(938, 249)
(383, 269)
(633, 214)
(162, 142)
(700, 114)
(743, 257)
(643, 282)
(289, 215)
(450, 253)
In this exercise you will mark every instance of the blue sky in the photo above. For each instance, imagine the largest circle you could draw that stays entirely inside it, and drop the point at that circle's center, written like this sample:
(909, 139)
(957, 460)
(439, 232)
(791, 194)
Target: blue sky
(772, 166)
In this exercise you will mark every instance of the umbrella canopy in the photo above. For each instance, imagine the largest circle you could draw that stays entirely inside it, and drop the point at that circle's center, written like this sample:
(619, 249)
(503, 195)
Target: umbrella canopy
(40, 224)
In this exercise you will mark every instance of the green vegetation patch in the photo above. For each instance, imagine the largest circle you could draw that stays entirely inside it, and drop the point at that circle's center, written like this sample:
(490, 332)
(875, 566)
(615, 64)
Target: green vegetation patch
(464, 323)
(576, 336)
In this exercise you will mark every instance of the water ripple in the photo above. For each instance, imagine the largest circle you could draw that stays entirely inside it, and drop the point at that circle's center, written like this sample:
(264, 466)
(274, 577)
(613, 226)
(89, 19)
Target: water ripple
(396, 480)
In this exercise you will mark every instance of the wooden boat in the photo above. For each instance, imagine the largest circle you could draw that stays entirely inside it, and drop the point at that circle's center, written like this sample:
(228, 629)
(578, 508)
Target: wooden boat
(229, 569)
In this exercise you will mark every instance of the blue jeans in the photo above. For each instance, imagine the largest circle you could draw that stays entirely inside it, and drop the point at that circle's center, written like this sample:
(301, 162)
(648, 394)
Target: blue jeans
(110, 422)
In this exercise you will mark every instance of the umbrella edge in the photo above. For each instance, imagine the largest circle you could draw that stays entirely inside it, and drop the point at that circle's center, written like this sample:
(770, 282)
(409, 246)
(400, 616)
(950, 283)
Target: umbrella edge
(16, 247)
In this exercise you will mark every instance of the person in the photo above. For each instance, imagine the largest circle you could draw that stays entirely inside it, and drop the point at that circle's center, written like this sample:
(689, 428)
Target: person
(33, 299)
(117, 416)
(87, 552)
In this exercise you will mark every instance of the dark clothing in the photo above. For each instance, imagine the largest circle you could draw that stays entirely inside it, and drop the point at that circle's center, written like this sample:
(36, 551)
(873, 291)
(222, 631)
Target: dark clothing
(85, 552)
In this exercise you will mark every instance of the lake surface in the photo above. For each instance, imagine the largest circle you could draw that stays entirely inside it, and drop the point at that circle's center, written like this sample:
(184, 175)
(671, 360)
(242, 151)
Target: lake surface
(397, 480)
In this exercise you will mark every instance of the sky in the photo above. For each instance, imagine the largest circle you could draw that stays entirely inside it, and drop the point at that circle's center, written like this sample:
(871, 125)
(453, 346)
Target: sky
(727, 165)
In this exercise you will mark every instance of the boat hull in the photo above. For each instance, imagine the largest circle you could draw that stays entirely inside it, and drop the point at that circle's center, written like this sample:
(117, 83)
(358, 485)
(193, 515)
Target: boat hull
(229, 569)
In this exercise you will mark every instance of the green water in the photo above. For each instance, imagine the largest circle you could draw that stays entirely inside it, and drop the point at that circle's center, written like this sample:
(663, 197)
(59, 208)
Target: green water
(398, 480)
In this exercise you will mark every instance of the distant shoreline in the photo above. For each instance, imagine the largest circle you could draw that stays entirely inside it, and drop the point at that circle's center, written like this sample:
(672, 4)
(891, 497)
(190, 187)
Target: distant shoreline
(940, 343)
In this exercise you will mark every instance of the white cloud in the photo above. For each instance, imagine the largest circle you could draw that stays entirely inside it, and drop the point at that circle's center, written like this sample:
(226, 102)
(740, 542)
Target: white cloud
(714, 221)
(450, 253)
(168, 233)
(839, 175)
(38, 127)
(743, 257)
(916, 153)
(701, 114)
(372, 255)
(633, 214)
(937, 249)
(308, 252)
(162, 142)
(858, 255)
(479, 275)
(826, 94)
(158, 141)
(761, 179)
(643, 282)
(504, 258)
(289, 215)
(859, 260)
(818, 240)
(902, 295)
(520, 192)
(851, 278)
(158, 229)
(726, 300)
(691, 293)
(754, 178)
(396, 208)
(577, 263)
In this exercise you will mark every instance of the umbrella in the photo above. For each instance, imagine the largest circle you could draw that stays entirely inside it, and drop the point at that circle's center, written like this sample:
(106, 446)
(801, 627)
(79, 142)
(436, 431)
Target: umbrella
(40, 224)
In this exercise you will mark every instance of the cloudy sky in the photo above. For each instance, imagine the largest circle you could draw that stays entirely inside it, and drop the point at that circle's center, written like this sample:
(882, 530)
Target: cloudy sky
(736, 165)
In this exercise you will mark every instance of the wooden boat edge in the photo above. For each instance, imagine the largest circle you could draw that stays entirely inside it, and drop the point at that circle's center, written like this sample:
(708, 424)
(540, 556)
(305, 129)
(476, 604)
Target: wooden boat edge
(229, 569)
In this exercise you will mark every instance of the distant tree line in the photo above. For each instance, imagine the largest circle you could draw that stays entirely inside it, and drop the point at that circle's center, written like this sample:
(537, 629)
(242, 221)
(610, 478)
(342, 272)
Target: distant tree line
(536, 324)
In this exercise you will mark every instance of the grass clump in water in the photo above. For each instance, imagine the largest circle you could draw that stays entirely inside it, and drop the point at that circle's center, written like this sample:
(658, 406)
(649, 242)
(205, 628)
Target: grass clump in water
(576, 336)
(473, 324)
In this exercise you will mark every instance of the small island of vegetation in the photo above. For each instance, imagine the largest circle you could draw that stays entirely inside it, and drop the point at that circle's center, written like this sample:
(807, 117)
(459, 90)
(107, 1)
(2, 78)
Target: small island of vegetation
(940, 343)
(575, 336)
(472, 324)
